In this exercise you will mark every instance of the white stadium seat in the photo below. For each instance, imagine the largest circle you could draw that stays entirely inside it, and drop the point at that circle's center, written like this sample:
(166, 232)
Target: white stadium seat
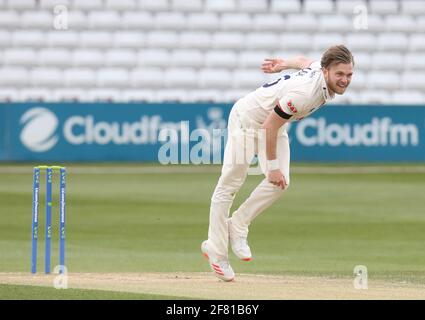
(420, 24)
(384, 7)
(87, 5)
(413, 80)
(170, 21)
(112, 77)
(65, 39)
(9, 95)
(88, 58)
(37, 19)
(195, 39)
(172, 95)
(322, 41)
(19, 57)
(215, 78)
(413, 7)
(109, 20)
(252, 6)
(137, 20)
(350, 7)
(232, 95)
(204, 50)
(162, 39)
(348, 97)
(319, 6)
(77, 20)
(138, 95)
(398, 23)
(186, 5)
(205, 95)
(121, 58)
(252, 59)
(335, 23)
(46, 77)
(14, 76)
(9, 20)
(375, 23)
(20, 4)
(50, 4)
(181, 78)
(285, 7)
(235, 21)
(392, 41)
(154, 58)
(361, 41)
(129, 39)
(80, 77)
(417, 42)
(248, 78)
(28, 38)
(388, 80)
(263, 41)
(296, 41)
(146, 78)
(358, 80)
(362, 60)
(408, 97)
(375, 97)
(187, 58)
(95, 39)
(388, 61)
(414, 61)
(302, 22)
(220, 5)
(221, 58)
(153, 5)
(228, 40)
(203, 21)
(103, 95)
(269, 22)
(35, 94)
(68, 95)
(121, 5)
(5, 38)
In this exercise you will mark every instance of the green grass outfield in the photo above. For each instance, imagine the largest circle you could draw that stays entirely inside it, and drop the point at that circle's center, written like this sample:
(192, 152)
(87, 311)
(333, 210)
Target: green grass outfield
(324, 225)
(21, 292)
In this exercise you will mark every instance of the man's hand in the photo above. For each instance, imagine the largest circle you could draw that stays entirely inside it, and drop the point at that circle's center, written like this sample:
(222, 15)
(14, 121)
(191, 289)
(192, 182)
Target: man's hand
(273, 65)
(276, 177)
(277, 65)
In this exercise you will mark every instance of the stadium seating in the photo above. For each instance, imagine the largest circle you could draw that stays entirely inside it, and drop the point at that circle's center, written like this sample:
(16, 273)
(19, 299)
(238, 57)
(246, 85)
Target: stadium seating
(202, 50)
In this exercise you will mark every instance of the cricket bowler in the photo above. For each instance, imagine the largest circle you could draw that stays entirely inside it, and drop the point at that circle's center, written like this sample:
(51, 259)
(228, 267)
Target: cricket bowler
(257, 126)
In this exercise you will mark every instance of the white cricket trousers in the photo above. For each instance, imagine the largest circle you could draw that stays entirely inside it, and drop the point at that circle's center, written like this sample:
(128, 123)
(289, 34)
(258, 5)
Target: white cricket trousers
(245, 140)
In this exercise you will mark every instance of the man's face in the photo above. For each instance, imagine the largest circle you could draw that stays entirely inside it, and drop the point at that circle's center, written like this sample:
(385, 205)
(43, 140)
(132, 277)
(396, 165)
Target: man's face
(338, 77)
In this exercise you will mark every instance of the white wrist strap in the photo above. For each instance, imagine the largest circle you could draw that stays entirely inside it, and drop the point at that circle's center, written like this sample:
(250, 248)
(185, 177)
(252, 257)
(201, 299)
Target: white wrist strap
(272, 165)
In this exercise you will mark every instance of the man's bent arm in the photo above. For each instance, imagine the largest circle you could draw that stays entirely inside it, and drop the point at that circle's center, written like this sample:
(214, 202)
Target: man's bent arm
(272, 125)
(278, 65)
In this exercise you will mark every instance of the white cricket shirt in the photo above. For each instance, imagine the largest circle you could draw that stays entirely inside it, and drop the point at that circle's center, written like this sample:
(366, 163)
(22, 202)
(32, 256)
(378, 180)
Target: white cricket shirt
(298, 95)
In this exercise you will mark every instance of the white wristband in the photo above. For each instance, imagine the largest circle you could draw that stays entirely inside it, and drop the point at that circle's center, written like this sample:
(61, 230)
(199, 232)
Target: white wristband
(272, 165)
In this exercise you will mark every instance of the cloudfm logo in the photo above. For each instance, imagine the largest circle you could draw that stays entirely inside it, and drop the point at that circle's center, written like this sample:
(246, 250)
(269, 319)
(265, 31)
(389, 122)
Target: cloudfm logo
(38, 131)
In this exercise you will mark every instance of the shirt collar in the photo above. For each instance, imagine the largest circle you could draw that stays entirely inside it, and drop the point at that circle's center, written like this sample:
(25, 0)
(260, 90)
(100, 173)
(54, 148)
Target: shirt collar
(324, 87)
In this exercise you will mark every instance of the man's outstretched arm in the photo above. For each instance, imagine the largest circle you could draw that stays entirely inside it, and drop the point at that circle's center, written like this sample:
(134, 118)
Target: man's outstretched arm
(273, 65)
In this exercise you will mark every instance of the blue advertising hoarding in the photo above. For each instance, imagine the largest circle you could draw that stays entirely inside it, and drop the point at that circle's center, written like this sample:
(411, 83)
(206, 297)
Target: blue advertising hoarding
(138, 132)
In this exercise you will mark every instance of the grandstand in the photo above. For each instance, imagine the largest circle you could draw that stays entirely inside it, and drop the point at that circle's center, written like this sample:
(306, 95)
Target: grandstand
(202, 50)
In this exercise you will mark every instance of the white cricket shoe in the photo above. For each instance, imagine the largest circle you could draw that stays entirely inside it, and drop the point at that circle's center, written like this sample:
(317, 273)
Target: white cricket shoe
(239, 244)
(220, 267)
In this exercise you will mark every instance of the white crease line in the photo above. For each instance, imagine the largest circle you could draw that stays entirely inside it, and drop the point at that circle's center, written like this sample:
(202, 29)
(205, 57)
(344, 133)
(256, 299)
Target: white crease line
(216, 169)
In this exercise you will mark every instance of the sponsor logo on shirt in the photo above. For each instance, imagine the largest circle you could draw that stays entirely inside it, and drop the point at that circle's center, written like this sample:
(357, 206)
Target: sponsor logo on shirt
(291, 107)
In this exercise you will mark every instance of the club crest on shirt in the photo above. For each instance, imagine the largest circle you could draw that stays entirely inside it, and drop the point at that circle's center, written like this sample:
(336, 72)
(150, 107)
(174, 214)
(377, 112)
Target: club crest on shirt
(291, 107)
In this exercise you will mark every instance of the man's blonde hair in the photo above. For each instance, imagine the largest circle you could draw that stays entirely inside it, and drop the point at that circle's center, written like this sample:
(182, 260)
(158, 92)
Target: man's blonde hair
(335, 55)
